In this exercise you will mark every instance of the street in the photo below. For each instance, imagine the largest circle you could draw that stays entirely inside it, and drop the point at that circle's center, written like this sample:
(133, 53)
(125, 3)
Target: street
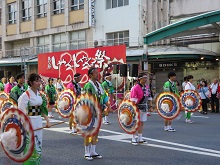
(191, 144)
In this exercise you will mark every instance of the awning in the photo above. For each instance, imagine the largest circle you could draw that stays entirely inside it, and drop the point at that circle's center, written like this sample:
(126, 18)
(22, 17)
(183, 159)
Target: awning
(170, 52)
(16, 61)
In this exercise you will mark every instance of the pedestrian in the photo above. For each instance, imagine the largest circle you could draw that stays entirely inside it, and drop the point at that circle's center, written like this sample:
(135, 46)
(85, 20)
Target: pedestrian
(204, 95)
(9, 85)
(109, 89)
(94, 88)
(170, 86)
(75, 86)
(189, 86)
(30, 102)
(19, 89)
(215, 89)
(52, 96)
(141, 95)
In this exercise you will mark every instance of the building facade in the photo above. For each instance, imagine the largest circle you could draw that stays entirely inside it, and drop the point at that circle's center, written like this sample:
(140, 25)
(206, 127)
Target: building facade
(30, 27)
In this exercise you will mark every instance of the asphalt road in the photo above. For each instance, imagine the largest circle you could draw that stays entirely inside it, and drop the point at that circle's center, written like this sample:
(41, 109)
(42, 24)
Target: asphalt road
(191, 144)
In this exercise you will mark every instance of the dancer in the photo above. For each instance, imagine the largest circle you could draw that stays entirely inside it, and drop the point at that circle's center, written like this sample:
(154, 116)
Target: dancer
(10, 84)
(94, 88)
(19, 89)
(52, 96)
(170, 86)
(75, 86)
(141, 95)
(189, 86)
(31, 103)
(109, 89)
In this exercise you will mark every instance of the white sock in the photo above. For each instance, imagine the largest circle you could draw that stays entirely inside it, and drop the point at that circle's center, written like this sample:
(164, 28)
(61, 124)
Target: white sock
(92, 150)
(139, 137)
(133, 137)
(165, 127)
(87, 150)
(49, 113)
(169, 126)
(103, 119)
(106, 118)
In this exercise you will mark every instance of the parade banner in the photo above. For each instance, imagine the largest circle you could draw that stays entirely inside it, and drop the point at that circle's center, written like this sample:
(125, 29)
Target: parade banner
(66, 63)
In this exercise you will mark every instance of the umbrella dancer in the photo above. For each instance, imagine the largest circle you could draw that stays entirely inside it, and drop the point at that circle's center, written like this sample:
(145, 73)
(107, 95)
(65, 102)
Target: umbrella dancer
(75, 86)
(32, 104)
(140, 94)
(109, 89)
(94, 88)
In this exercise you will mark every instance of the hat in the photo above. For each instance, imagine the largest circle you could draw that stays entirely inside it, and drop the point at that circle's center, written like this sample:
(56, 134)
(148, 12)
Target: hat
(142, 75)
(77, 75)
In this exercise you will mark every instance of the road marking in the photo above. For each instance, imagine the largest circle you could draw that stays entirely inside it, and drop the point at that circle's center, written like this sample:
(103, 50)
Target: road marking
(122, 137)
(180, 115)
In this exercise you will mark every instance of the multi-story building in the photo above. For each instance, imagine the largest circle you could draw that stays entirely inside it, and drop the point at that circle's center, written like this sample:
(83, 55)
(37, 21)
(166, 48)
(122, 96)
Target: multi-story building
(30, 27)
(193, 52)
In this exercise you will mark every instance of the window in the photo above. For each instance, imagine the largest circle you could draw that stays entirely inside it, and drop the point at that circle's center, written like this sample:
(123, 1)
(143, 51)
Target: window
(41, 8)
(58, 6)
(78, 40)
(59, 42)
(12, 11)
(77, 4)
(118, 38)
(26, 10)
(116, 3)
(0, 15)
(43, 44)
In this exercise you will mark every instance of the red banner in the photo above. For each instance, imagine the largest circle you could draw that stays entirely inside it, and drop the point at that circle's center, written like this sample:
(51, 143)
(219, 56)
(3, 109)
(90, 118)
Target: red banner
(66, 63)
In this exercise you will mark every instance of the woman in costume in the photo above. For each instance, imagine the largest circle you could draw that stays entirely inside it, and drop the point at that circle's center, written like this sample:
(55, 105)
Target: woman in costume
(94, 88)
(109, 89)
(204, 94)
(141, 95)
(170, 86)
(32, 104)
(189, 86)
(52, 95)
(75, 86)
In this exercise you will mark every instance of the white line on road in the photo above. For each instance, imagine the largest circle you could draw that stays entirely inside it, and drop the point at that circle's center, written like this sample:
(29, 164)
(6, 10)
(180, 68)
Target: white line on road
(121, 137)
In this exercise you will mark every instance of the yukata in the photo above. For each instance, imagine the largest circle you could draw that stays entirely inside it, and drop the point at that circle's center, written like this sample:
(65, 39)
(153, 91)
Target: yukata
(34, 106)
(189, 86)
(17, 91)
(51, 93)
(141, 95)
(2, 86)
(97, 91)
(8, 87)
(75, 87)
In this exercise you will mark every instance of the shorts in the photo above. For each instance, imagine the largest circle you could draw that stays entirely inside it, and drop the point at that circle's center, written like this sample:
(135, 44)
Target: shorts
(143, 116)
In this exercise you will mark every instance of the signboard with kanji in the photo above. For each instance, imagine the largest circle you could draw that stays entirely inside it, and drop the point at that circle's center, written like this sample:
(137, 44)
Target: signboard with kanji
(66, 63)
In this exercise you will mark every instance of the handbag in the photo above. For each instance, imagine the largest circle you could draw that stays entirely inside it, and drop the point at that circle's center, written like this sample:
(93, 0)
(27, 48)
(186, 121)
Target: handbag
(207, 99)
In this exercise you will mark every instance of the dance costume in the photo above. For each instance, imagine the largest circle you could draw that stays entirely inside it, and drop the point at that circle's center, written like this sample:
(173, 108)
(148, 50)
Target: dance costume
(17, 91)
(33, 105)
(96, 90)
(189, 86)
(109, 90)
(141, 94)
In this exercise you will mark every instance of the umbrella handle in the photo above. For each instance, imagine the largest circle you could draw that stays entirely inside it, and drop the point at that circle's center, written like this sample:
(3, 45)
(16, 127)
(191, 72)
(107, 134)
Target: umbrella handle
(51, 126)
